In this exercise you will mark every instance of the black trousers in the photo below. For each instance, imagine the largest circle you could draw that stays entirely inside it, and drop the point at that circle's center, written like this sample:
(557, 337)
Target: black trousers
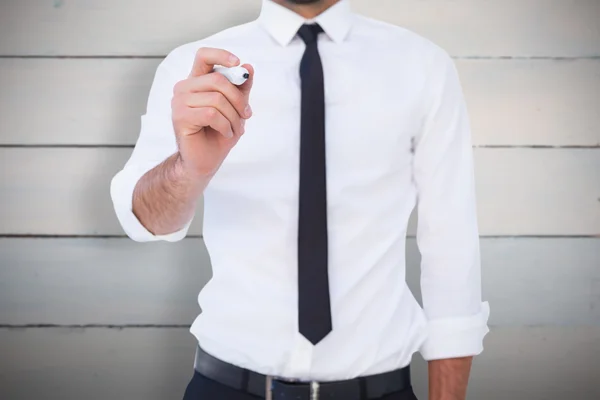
(202, 388)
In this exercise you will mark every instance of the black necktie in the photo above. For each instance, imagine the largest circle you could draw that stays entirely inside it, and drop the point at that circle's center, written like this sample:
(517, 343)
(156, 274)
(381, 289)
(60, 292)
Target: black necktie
(314, 313)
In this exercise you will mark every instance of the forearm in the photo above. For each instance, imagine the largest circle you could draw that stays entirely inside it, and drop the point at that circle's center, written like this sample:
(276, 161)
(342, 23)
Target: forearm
(448, 378)
(164, 199)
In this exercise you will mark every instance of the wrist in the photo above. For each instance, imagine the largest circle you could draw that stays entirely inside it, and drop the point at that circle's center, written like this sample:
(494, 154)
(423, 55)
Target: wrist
(448, 378)
(185, 171)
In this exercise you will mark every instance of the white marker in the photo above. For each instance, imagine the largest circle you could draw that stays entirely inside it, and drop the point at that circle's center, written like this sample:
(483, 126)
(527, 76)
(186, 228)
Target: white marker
(235, 75)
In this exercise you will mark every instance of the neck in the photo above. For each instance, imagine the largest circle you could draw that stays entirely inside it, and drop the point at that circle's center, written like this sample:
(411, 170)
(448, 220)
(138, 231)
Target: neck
(307, 11)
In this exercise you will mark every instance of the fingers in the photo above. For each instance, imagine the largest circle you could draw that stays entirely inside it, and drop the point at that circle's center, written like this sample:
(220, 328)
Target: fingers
(208, 57)
(209, 99)
(219, 101)
(209, 116)
(216, 82)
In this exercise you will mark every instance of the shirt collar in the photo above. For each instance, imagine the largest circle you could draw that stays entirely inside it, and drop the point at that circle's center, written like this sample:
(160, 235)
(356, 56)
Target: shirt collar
(283, 24)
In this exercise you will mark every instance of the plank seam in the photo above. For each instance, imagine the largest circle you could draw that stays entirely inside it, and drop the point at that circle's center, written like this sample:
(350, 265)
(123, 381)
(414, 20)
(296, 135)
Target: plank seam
(537, 146)
(131, 146)
(87, 326)
(65, 146)
(58, 236)
(81, 57)
(551, 58)
(187, 326)
(159, 57)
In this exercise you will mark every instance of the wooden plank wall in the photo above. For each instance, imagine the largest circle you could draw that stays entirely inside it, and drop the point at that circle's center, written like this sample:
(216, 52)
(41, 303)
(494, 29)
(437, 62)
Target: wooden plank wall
(87, 313)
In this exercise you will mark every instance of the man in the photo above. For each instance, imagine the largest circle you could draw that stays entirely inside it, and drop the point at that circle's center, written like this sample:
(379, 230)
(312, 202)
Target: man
(309, 172)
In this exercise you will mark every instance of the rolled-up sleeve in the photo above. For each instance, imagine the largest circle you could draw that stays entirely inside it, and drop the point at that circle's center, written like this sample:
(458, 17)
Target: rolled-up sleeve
(156, 142)
(447, 233)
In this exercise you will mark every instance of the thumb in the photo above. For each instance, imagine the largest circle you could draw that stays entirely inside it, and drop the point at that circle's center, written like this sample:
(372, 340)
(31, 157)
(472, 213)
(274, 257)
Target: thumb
(247, 86)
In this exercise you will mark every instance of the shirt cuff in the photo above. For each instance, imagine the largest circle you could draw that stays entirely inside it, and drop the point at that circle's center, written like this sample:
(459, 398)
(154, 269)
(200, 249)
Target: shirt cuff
(456, 337)
(121, 191)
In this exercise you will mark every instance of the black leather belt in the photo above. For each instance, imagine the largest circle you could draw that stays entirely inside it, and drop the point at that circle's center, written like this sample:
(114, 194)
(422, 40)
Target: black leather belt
(362, 388)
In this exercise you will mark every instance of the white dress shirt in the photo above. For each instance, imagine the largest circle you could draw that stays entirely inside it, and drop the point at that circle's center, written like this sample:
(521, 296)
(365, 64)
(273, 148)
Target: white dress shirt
(397, 135)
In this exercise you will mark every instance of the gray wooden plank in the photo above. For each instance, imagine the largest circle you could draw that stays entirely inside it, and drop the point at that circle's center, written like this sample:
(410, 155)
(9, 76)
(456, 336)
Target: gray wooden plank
(538, 363)
(61, 191)
(95, 364)
(465, 27)
(99, 102)
(117, 281)
(538, 192)
(75, 101)
(114, 27)
(532, 102)
(518, 363)
(497, 28)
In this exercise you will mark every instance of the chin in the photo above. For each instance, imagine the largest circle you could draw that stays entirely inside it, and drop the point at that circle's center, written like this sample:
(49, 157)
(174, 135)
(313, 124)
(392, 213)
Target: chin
(303, 1)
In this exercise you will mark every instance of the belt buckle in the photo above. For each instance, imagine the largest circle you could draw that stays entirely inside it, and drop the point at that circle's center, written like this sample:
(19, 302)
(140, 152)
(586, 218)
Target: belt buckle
(314, 389)
(269, 388)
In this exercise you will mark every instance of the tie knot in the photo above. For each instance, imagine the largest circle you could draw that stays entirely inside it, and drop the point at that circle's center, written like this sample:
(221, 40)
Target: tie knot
(310, 33)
